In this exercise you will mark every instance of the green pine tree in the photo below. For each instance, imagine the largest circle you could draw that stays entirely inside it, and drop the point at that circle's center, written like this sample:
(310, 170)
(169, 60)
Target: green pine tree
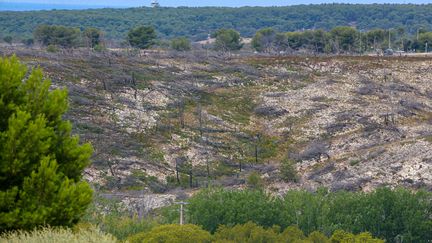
(41, 164)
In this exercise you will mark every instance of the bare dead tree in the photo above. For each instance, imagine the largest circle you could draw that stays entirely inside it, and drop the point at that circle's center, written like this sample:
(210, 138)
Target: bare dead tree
(181, 110)
(257, 142)
(200, 119)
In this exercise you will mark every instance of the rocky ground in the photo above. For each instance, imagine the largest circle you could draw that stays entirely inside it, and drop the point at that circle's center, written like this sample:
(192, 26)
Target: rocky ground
(352, 123)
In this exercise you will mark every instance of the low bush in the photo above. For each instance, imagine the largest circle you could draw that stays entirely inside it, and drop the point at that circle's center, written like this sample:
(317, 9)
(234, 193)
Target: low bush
(245, 233)
(288, 171)
(173, 233)
(248, 232)
(254, 181)
(55, 235)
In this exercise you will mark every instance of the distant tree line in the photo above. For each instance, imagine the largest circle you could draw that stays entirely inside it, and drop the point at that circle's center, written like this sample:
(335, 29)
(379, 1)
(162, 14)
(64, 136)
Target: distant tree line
(339, 40)
(197, 23)
(342, 39)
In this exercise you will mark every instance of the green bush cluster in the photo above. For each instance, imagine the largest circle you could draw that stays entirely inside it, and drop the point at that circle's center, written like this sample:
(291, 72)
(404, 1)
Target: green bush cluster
(181, 44)
(388, 214)
(173, 233)
(67, 37)
(142, 37)
(245, 233)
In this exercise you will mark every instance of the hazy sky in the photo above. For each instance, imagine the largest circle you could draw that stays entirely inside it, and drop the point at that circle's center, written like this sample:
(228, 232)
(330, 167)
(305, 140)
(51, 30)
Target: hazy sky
(231, 3)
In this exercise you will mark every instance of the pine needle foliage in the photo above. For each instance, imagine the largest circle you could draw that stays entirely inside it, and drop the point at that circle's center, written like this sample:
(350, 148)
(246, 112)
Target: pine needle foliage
(41, 163)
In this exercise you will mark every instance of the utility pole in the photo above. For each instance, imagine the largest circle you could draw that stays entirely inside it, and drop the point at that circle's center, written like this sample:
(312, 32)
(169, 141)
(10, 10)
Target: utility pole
(181, 210)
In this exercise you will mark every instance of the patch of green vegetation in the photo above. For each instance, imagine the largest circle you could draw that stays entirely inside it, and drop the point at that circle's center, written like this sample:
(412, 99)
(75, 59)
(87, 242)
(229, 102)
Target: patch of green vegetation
(233, 106)
(156, 154)
(143, 79)
(222, 169)
(254, 181)
(428, 139)
(354, 162)
(89, 128)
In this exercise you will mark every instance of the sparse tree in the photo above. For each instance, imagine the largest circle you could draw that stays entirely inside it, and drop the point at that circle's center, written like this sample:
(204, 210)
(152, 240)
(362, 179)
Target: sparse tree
(264, 40)
(227, 40)
(142, 37)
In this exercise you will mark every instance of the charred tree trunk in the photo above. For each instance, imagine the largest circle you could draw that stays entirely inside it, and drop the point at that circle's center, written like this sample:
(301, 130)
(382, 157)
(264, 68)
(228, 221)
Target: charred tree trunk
(190, 177)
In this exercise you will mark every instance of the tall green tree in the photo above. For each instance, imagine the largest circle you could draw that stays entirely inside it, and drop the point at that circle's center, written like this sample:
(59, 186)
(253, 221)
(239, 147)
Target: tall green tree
(142, 37)
(41, 164)
(425, 39)
(227, 40)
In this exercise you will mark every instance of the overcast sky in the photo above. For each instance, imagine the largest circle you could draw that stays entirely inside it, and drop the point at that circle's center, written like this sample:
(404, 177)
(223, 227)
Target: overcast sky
(230, 3)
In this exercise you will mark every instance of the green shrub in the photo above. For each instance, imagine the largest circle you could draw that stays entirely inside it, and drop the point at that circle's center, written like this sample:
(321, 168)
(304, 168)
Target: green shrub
(288, 171)
(340, 236)
(292, 234)
(254, 181)
(249, 232)
(123, 227)
(65, 37)
(318, 237)
(55, 235)
(52, 48)
(142, 37)
(137, 238)
(181, 44)
(173, 233)
(99, 48)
